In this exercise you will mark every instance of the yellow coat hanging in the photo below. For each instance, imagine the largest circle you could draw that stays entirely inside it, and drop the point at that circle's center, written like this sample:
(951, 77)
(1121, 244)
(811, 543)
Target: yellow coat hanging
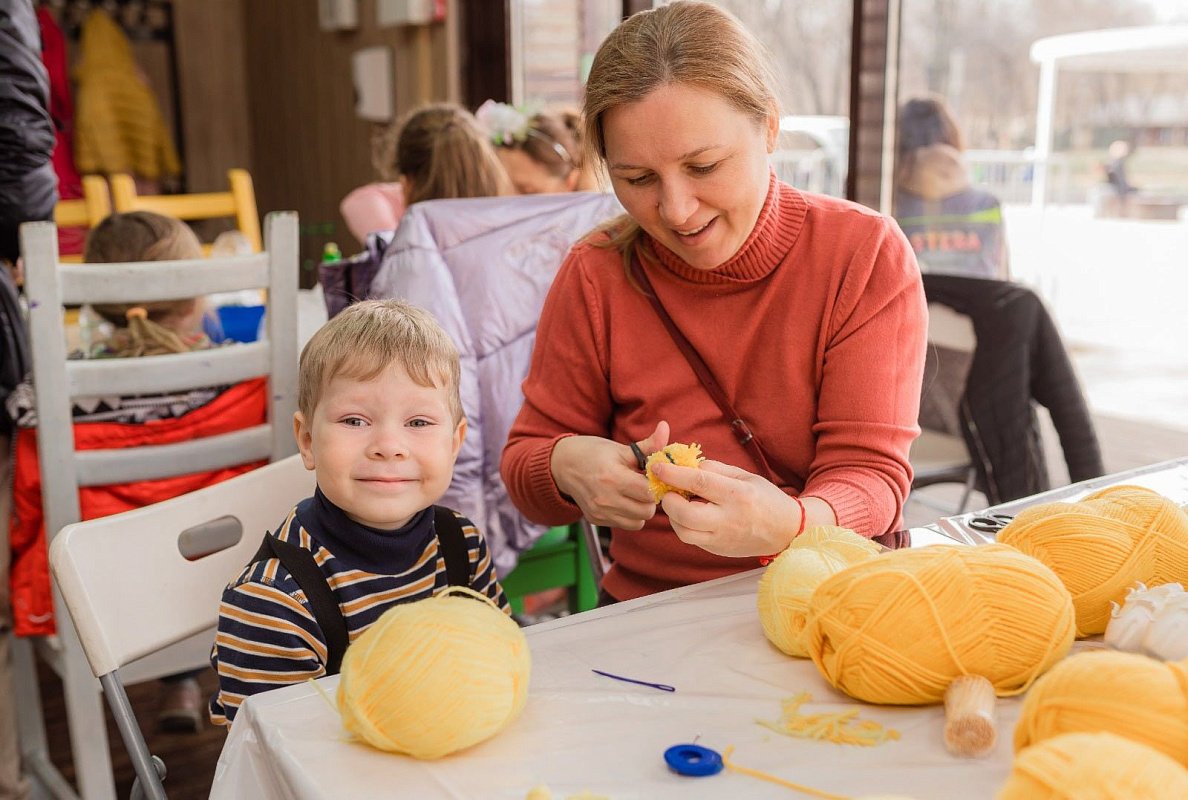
(118, 127)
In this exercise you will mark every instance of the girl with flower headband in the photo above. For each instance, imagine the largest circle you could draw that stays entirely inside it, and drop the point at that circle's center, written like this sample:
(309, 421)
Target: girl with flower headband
(541, 151)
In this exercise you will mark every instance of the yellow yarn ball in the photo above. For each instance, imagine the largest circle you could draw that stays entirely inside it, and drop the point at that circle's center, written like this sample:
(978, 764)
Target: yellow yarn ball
(1100, 546)
(436, 676)
(1094, 765)
(1133, 696)
(898, 629)
(789, 581)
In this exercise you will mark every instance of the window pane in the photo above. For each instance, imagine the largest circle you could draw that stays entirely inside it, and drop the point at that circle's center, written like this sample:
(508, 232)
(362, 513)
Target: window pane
(1076, 185)
(809, 43)
(554, 43)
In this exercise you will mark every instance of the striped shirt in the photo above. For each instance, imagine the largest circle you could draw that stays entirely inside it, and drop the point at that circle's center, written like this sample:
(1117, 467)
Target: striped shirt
(267, 635)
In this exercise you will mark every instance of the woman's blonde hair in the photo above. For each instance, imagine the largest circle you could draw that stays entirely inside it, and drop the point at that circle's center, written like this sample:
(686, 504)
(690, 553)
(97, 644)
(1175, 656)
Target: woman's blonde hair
(443, 152)
(144, 328)
(372, 336)
(686, 42)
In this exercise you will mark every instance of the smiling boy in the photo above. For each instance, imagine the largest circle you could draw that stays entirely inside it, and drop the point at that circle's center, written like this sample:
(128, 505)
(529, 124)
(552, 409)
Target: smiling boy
(380, 422)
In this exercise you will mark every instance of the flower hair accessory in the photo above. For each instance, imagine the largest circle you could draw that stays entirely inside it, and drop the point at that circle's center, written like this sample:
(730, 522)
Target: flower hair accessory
(505, 123)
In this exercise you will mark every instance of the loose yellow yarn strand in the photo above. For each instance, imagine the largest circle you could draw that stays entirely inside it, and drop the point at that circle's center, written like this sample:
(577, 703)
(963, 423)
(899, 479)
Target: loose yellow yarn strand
(346, 735)
(763, 776)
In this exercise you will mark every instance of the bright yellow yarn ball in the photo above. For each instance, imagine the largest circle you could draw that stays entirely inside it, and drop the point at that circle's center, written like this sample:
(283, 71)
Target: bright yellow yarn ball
(433, 677)
(1094, 765)
(1101, 545)
(1133, 696)
(898, 629)
(789, 581)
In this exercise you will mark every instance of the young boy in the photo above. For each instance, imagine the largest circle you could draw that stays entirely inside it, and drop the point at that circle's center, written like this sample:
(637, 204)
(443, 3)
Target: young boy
(380, 422)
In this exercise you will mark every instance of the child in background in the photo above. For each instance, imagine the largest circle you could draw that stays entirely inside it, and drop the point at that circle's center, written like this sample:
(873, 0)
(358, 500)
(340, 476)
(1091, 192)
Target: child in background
(145, 329)
(435, 152)
(380, 421)
(542, 152)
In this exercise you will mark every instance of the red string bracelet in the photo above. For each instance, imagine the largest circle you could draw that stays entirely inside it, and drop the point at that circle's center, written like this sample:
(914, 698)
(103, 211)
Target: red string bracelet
(765, 560)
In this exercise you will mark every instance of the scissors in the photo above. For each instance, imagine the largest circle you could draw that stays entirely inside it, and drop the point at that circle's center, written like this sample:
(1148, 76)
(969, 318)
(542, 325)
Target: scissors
(989, 523)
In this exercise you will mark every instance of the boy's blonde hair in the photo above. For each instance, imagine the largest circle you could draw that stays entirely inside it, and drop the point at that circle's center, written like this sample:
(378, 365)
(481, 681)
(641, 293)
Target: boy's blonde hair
(371, 336)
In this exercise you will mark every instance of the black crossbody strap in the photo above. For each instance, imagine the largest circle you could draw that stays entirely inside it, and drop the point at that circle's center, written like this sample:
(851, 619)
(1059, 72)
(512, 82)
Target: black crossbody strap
(309, 576)
(452, 542)
(742, 432)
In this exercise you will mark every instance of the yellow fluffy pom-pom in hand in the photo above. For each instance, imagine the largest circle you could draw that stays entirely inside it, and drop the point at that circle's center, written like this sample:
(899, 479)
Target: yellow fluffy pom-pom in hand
(436, 676)
(1101, 545)
(1098, 765)
(789, 581)
(900, 628)
(683, 455)
(1130, 695)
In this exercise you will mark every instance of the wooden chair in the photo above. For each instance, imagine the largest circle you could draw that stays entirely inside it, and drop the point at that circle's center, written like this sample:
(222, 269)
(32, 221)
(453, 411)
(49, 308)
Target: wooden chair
(87, 211)
(239, 202)
(50, 286)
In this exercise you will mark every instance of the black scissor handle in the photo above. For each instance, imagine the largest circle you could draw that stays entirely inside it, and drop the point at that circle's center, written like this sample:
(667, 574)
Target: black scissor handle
(990, 523)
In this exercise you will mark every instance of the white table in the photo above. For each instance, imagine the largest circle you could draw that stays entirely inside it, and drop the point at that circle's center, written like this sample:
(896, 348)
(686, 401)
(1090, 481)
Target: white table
(580, 731)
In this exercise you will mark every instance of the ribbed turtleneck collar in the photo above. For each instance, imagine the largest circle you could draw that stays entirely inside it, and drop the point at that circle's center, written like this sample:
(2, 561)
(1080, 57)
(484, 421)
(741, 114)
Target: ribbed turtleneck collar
(362, 547)
(779, 223)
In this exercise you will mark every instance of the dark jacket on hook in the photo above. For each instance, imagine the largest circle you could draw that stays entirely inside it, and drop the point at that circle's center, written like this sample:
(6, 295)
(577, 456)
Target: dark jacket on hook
(1020, 360)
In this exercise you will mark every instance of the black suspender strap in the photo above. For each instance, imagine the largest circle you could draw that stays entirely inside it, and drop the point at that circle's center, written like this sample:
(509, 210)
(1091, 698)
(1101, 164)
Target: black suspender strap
(452, 542)
(309, 576)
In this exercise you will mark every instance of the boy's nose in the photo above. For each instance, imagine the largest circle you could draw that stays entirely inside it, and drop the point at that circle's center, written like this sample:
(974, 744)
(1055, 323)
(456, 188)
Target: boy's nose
(388, 444)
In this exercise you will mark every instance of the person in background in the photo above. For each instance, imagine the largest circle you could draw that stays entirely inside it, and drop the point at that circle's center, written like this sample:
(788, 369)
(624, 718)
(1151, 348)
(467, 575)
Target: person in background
(807, 311)
(28, 191)
(434, 152)
(542, 152)
(145, 329)
(1115, 169)
(954, 227)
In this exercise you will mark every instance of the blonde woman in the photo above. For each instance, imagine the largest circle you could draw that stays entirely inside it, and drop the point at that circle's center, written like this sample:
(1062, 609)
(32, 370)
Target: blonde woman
(434, 152)
(807, 311)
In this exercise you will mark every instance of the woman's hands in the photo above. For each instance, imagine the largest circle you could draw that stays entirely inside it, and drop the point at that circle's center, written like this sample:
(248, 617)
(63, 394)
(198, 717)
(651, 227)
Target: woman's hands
(735, 512)
(603, 478)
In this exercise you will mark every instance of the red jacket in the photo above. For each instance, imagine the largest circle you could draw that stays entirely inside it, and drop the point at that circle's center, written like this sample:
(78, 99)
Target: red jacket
(242, 406)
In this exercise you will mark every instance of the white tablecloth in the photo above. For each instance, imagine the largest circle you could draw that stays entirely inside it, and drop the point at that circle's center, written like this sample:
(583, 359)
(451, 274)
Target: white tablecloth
(580, 731)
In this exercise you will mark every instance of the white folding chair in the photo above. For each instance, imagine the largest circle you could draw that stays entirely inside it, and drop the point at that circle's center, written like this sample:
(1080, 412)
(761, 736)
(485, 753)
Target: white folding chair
(182, 552)
(940, 454)
(49, 285)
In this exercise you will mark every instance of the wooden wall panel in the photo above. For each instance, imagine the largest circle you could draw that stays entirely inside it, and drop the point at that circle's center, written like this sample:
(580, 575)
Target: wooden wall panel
(874, 86)
(308, 147)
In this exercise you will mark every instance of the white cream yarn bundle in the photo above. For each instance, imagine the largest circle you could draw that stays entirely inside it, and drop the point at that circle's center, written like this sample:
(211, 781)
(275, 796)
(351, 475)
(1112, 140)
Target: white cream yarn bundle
(789, 581)
(436, 676)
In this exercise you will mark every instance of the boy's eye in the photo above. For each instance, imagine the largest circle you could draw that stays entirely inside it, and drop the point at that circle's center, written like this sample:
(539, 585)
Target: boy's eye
(419, 423)
(353, 422)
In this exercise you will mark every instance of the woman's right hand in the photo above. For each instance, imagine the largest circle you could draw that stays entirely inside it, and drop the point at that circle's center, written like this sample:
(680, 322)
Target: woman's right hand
(603, 478)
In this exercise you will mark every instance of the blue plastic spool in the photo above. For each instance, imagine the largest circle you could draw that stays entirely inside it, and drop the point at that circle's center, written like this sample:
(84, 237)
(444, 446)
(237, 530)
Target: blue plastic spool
(693, 760)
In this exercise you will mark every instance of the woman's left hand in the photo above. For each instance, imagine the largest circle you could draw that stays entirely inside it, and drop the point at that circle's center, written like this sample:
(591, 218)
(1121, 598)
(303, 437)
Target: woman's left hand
(735, 513)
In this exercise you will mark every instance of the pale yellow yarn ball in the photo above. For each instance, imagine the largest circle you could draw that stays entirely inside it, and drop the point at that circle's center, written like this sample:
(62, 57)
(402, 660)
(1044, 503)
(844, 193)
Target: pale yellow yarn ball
(1130, 695)
(1101, 766)
(789, 581)
(898, 629)
(433, 677)
(1101, 545)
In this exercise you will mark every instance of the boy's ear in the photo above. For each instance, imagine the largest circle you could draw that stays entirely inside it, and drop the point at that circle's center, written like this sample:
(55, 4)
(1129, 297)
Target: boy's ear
(304, 437)
(459, 435)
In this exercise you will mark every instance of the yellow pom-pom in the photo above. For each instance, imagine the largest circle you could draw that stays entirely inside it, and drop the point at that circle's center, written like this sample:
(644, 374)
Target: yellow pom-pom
(436, 676)
(1133, 696)
(1098, 765)
(683, 455)
(789, 580)
(900, 628)
(1100, 546)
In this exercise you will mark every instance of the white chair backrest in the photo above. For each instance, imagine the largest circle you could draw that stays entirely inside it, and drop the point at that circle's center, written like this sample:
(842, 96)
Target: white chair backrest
(50, 285)
(947, 328)
(130, 589)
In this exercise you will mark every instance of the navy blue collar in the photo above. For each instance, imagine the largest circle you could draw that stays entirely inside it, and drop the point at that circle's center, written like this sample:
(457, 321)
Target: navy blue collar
(360, 546)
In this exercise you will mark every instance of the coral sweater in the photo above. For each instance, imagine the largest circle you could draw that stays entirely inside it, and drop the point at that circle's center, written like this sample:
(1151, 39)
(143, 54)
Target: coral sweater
(815, 329)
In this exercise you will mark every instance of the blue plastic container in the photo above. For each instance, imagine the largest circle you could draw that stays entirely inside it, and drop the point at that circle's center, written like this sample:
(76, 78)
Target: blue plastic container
(241, 323)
